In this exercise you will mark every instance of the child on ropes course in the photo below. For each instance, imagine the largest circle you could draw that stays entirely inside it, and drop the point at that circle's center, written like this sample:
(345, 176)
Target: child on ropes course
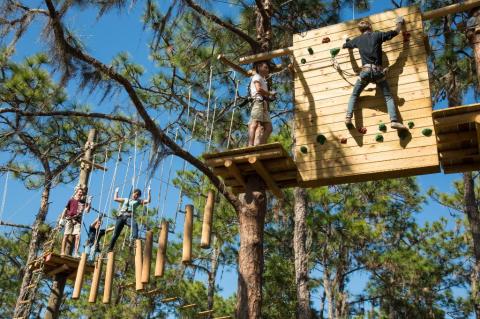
(260, 125)
(72, 215)
(127, 214)
(94, 235)
(369, 44)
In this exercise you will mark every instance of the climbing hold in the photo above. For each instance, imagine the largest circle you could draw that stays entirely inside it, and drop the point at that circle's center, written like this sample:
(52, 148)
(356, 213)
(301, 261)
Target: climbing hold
(310, 51)
(362, 130)
(411, 125)
(304, 149)
(382, 127)
(334, 52)
(303, 61)
(427, 131)
(406, 36)
(326, 40)
(343, 140)
(321, 139)
(379, 138)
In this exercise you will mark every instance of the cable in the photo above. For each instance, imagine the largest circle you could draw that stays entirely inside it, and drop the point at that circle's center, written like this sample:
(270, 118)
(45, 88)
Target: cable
(4, 197)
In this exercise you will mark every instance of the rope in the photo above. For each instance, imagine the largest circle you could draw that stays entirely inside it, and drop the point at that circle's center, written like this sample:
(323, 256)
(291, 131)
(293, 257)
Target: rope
(208, 101)
(233, 113)
(169, 175)
(4, 197)
(213, 124)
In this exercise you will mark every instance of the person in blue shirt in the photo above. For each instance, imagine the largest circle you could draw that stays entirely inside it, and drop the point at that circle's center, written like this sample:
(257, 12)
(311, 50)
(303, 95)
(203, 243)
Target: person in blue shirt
(369, 45)
(126, 215)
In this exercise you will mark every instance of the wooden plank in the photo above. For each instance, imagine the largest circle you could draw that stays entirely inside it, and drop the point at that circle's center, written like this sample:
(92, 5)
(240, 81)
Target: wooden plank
(260, 169)
(321, 76)
(235, 172)
(451, 9)
(451, 169)
(190, 306)
(443, 138)
(363, 172)
(338, 129)
(234, 66)
(333, 151)
(369, 116)
(265, 55)
(456, 119)
(352, 24)
(457, 154)
(456, 110)
(205, 312)
(274, 165)
(243, 150)
(394, 82)
(369, 97)
(398, 91)
(170, 299)
(58, 270)
(276, 177)
(370, 158)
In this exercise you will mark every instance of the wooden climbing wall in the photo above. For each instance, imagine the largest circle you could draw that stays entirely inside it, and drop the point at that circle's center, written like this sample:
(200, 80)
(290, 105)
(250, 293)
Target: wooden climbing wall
(322, 93)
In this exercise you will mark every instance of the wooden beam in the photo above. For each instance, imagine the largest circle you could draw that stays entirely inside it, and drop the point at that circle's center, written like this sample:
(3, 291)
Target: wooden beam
(266, 55)
(187, 235)
(262, 171)
(456, 137)
(224, 317)
(455, 119)
(94, 165)
(234, 66)
(233, 169)
(207, 220)
(184, 307)
(457, 154)
(454, 8)
(477, 126)
(450, 169)
(205, 313)
(58, 270)
(170, 299)
(153, 292)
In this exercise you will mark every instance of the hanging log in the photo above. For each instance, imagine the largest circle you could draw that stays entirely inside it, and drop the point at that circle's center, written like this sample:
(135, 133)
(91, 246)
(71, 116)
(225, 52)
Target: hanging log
(187, 235)
(207, 220)
(107, 291)
(147, 257)
(77, 288)
(97, 272)
(138, 265)
(162, 250)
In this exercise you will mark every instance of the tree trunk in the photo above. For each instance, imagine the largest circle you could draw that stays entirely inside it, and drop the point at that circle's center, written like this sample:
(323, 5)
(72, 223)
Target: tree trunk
(471, 210)
(212, 275)
(300, 251)
(250, 255)
(23, 309)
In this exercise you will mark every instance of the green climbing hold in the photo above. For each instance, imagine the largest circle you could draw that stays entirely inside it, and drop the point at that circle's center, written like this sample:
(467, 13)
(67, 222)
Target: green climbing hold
(321, 139)
(304, 149)
(382, 127)
(427, 131)
(303, 61)
(310, 51)
(334, 52)
(411, 125)
(379, 138)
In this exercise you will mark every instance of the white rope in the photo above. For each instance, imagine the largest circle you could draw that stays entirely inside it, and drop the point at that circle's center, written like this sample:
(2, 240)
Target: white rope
(208, 101)
(126, 175)
(213, 124)
(233, 114)
(168, 178)
(4, 197)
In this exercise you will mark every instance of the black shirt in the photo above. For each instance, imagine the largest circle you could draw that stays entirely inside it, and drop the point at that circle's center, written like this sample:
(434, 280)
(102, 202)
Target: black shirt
(92, 232)
(370, 45)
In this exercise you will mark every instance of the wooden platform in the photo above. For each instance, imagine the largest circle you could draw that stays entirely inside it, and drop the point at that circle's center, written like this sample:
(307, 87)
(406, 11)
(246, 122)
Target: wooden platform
(458, 135)
(57, 264)
(270, 161)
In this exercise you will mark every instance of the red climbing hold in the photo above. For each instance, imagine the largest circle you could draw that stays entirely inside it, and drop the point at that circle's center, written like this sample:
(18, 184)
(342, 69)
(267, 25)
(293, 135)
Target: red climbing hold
(326, 40)
(362, 130)
(406, 36)
(343, 140)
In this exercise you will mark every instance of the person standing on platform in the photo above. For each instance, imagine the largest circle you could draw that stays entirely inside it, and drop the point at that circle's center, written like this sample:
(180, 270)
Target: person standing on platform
(369, 44)
(127, 214)
(72, 216)
(260, 124)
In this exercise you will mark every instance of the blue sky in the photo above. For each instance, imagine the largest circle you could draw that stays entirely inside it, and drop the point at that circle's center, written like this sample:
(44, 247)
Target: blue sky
(124, 32)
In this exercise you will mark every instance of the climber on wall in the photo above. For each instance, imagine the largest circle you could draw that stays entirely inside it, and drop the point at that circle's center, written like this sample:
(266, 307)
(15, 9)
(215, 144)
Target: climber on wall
(369, 44)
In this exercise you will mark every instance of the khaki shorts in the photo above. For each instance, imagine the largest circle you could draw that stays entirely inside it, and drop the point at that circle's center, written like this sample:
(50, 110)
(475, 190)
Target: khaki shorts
(259, 112)
(72, 227)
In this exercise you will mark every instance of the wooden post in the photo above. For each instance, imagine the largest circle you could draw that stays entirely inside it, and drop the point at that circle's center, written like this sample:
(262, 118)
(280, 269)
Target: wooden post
(187, 235)
(147, 257)
(162, 250)
(454, 8)
(77, 288)
(207, 220)
(107, 290)
(138, 265)
(58, 285)
(97, 272)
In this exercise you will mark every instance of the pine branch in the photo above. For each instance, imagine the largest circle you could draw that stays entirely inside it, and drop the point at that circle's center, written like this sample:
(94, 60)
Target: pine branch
(253, 44)
(158, 135)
